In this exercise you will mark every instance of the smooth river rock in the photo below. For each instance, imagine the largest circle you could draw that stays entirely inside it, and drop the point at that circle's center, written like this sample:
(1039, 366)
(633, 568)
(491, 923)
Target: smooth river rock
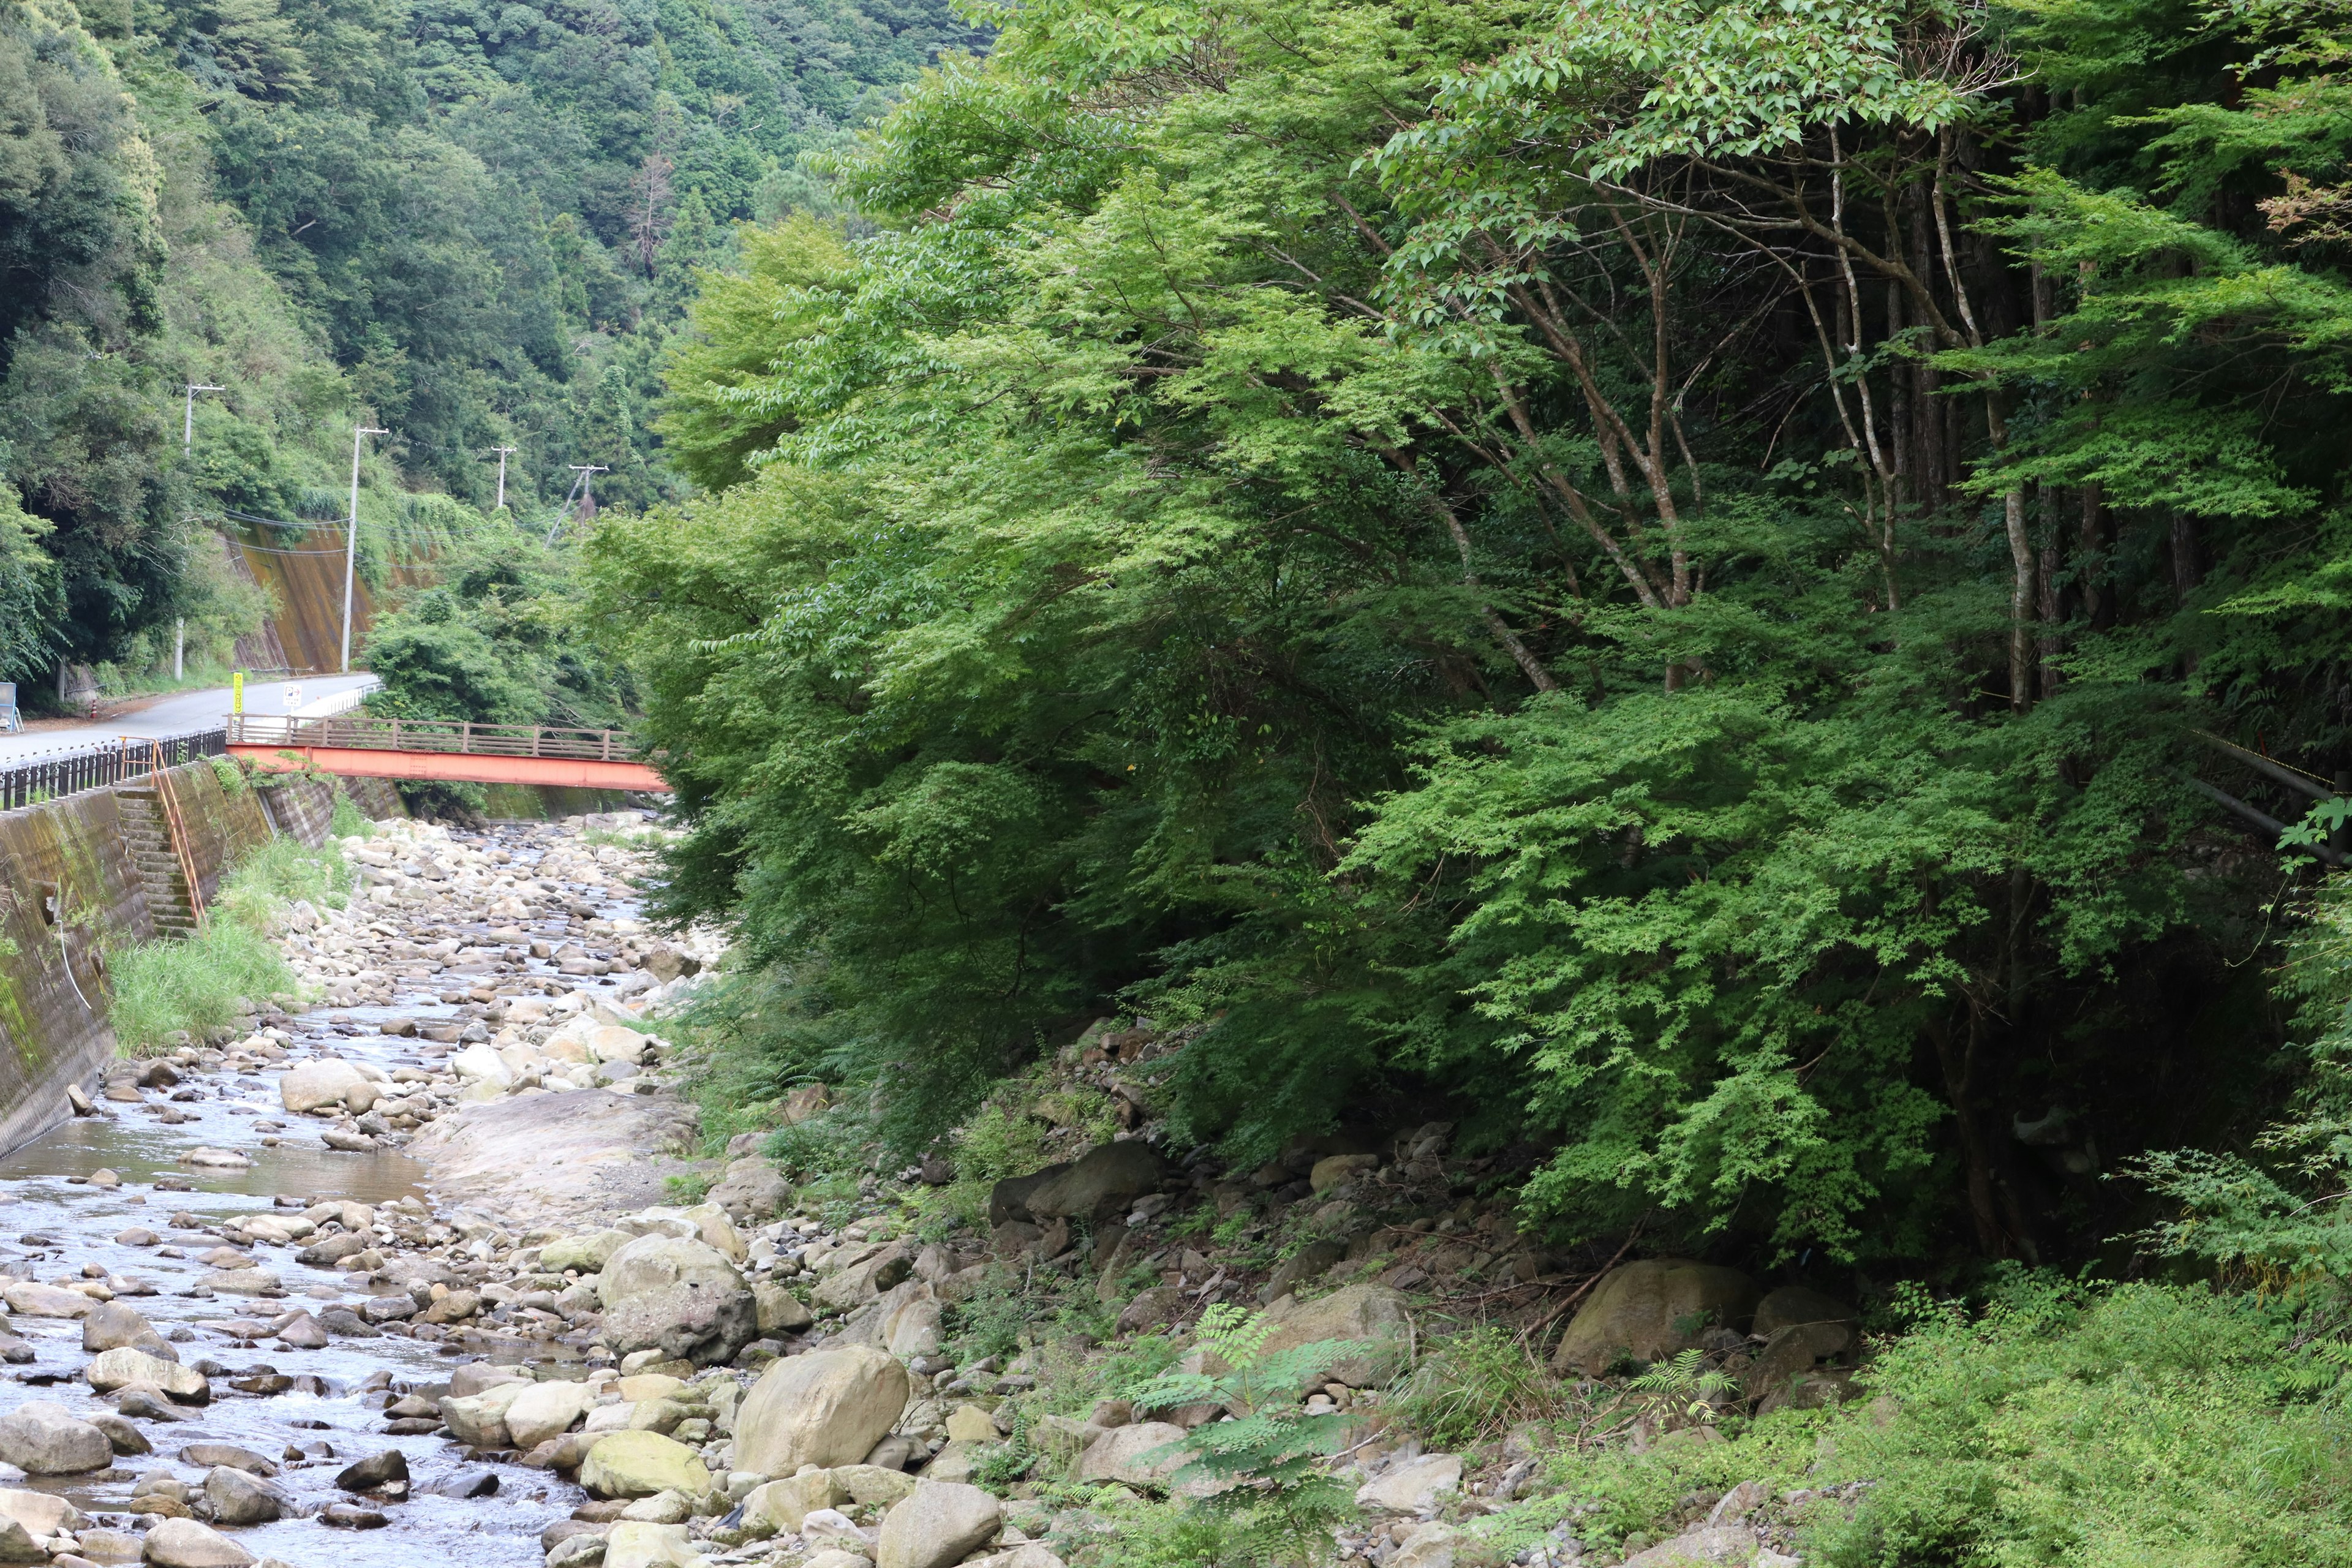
(938, 1525)
(824, 1408)
(43, 1438)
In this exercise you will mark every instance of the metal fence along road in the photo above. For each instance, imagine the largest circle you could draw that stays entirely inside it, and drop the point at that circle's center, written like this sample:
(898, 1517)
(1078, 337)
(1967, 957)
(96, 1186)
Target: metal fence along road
(103, 766)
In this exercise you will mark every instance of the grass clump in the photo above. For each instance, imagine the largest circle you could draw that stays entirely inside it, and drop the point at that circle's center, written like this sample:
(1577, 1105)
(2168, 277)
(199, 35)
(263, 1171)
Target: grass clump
(162, 987)
(1478, 1385)
(349, 821)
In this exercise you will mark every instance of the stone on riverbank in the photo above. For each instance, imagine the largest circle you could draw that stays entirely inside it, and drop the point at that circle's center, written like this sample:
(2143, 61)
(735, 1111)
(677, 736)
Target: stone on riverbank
(681, 1298)
(639, 1464)
(315, 1084)
(546, 1410)
(41, 1437)
(33, 1300)
(826, 1408)
(184, 1543)
(937, 1526)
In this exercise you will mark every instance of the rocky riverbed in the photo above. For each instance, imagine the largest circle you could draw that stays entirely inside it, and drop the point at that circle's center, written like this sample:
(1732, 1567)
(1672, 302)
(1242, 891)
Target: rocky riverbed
(246, 1323)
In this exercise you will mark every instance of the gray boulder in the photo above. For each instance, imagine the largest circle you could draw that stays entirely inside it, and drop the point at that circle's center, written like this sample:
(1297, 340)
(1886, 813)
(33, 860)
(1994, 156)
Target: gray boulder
(1105, 1181)
(678, 1296)
(751, 1189)
(937, 1525)
(184, 1543)
(826, 1408)
(43, 1438)
(1652, 1310)
(240, 1498)
(111, 1325)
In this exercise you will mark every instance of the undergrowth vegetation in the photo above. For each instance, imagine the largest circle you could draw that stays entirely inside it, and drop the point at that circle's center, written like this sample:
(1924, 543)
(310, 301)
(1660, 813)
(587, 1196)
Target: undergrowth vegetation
(209, 980)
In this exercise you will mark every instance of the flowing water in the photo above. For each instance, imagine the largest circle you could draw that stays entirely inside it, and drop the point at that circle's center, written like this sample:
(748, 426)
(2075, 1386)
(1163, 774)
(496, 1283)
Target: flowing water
(51, 1226)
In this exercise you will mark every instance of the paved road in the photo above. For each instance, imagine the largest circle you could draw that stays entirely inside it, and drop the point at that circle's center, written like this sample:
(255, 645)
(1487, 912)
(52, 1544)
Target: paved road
(188, 710)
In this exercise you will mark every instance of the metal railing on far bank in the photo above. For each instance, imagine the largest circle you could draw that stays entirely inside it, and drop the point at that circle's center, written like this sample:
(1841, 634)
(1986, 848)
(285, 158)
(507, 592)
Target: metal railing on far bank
(102, 766)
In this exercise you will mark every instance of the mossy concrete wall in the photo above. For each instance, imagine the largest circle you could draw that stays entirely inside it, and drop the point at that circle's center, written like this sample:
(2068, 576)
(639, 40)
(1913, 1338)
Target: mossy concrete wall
(67, 891)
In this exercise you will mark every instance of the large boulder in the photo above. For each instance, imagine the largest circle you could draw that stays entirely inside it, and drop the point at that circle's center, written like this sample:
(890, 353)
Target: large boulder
(479, 1420)
(866, 1275)
(783, 1504)
(1105, 1181)
(117, 1325)
(937, 1525)
(318, 1084)
(639, 1464)
(184, 1543)
(545, 1410)
(1008, 1199)
(1134, 1455)
(587, 1253)
(1652, 1310)
(752, 1189)
(641, 1543)
(1413, 1486)
(240, 1498)
(780, 1312)
(678, 1296)
(1374, 1317)
(120, 1368)
(42, 1437)
(1792, 1306)
(1706, 1546)
(826, 1408)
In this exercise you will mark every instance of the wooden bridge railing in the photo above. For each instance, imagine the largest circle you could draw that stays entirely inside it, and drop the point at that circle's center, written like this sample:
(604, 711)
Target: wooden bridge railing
(354, 732)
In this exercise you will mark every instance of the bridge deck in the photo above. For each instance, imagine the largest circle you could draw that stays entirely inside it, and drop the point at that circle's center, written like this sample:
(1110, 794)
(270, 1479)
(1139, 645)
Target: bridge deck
(357, 747)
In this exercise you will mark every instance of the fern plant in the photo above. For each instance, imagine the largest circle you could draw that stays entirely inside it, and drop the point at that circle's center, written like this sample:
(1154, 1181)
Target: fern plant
(1684, 1384)
(1262, 1466)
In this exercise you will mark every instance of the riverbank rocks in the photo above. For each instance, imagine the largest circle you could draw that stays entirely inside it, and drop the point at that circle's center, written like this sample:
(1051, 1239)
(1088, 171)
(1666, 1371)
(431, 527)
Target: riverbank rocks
(184, 1543)
(121, 1368)
(780, 1312)
(329, 1081)
(480, 1420)
(938, 1525)
(1103, 1182)
(587, 1252)
(1652, 1310)
(635, 1543)
(1134, 1455)
(824, 1408)
(1413, 1486)
(676, 1296)
(1374, 1317)
(752, 1189)
(782, 1505)
(42, 1437)
(640, 1464)
(546, 1410)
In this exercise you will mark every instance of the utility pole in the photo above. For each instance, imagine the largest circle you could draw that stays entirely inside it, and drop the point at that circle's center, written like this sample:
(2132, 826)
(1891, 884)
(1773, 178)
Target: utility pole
(352, 539)
(502, 452)
(587, 496)
(188, 420)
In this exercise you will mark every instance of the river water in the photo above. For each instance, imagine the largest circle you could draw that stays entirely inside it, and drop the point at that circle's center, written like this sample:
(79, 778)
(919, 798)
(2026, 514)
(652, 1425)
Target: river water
(52, 1227)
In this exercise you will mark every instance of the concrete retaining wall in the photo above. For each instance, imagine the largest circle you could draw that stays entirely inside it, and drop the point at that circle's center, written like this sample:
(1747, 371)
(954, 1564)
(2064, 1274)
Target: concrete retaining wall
(67, 889)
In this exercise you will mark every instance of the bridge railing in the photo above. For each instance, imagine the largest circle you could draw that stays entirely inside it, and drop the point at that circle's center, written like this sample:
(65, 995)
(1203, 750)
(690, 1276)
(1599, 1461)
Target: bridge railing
(359, 732)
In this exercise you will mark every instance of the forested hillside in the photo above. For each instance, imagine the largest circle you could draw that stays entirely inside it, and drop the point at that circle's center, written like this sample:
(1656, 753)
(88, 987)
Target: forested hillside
(1655, 577)
(474, 227)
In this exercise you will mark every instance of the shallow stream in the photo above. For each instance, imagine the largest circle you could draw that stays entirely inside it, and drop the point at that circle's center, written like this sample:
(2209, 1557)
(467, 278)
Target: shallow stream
(54, 1228)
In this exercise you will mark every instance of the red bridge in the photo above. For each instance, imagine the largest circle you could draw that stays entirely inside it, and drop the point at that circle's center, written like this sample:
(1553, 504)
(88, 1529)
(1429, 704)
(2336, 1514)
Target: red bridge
(357, 747)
